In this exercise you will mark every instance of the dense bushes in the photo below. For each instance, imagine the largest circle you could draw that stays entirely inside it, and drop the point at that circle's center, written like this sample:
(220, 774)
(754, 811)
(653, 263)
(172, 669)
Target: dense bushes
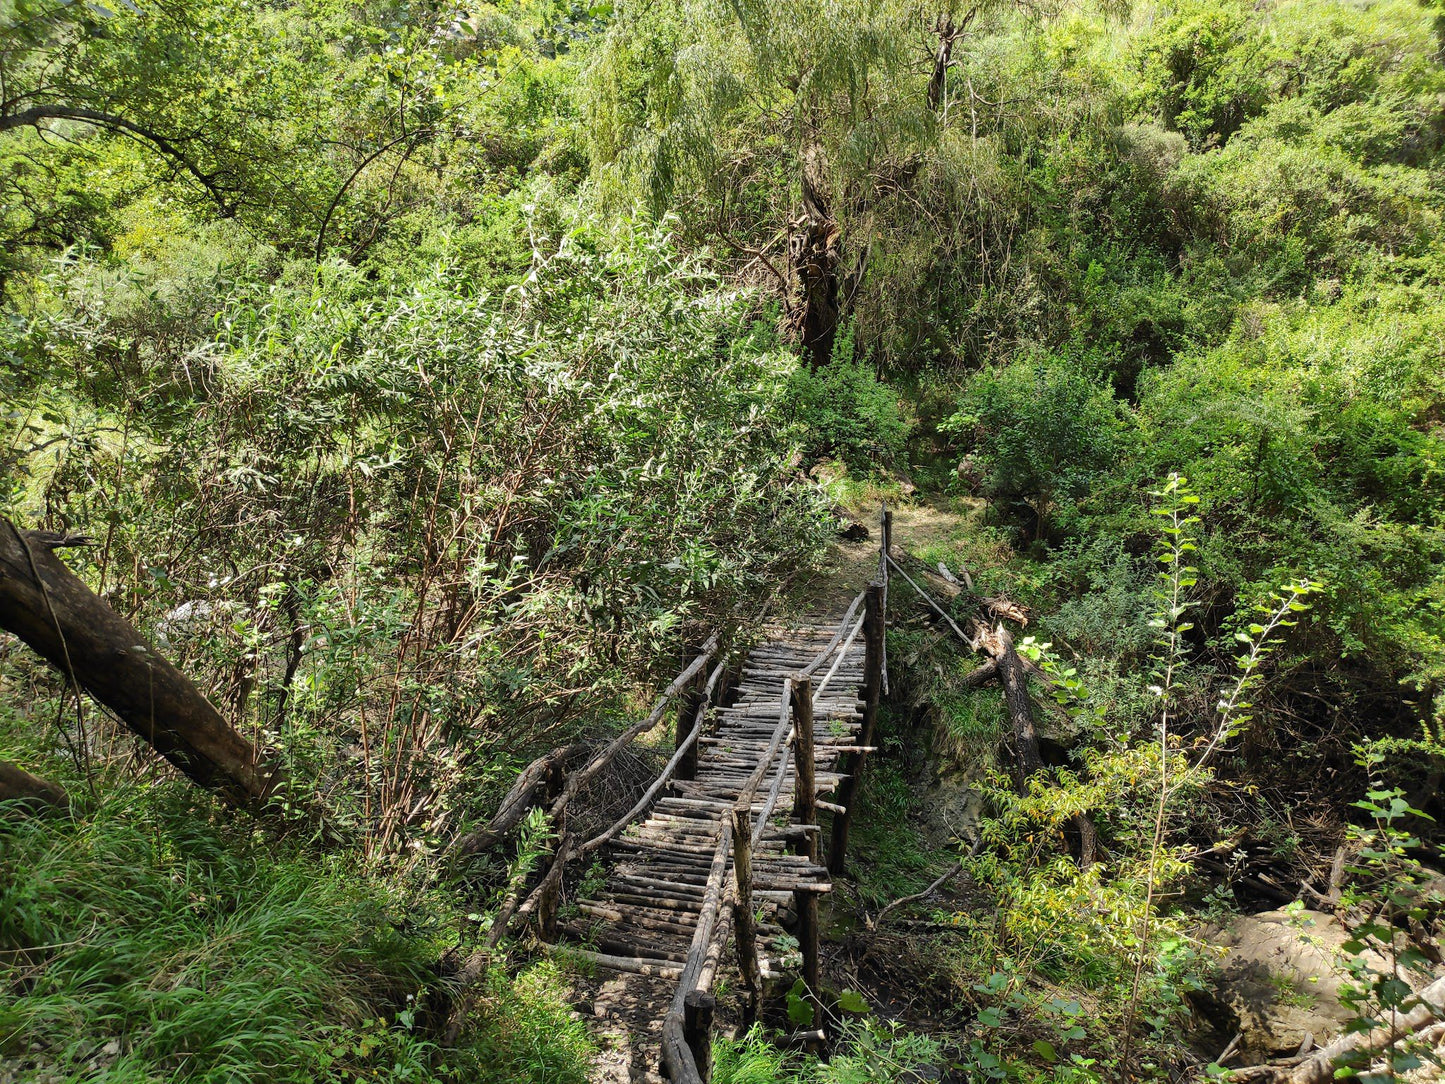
(426, 424)
(842, 410)
(1042, 432)
(404, 518)
(1239, 237)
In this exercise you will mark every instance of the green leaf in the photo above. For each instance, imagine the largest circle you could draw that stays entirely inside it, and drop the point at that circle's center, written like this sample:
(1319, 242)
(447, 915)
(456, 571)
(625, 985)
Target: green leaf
(800, 1011)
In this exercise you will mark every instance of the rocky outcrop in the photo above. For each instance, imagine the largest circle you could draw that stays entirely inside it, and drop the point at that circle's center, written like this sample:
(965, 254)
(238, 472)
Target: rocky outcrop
(1279, 981)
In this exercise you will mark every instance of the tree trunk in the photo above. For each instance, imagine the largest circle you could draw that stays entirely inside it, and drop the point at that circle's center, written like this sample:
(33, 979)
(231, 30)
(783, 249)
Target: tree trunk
(1014, 679)
(48, 607)
(816, 253)
(942, 58)
(36, 793)
(948, 32)
(1020, 709)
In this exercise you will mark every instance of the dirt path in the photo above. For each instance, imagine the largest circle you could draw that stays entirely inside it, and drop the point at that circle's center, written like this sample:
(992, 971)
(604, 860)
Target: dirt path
(916, 527)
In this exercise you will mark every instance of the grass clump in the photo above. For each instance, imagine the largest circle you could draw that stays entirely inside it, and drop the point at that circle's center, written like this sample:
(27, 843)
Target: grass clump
(146, 942)
(528, 1032)
(867, 1052)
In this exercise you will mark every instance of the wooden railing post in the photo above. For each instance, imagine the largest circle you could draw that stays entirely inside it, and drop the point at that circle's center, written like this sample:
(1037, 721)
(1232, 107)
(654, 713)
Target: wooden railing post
(873, 630)
(805, 809)
(687, 708)
(679, 1060)
(885, 543)
(884, 556)
(805, 796)
(550, 890)
(744, 928)
(697, 1013)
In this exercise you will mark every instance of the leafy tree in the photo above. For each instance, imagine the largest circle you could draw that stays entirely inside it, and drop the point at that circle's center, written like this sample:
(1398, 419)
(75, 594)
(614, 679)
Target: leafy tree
(1043, 433)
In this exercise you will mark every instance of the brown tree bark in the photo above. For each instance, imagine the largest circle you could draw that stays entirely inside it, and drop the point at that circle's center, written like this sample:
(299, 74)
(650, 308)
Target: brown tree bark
(1014, 679)
(1027, 759)
(816, 253)
(948, 32)
(48, 607)
(36, 793)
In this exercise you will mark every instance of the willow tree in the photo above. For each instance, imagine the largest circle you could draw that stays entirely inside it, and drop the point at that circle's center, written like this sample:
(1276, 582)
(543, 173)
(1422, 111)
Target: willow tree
(775, 127)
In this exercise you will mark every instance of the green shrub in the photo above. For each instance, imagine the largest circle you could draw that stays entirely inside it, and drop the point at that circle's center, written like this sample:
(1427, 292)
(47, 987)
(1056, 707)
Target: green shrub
(866, 1053)
(842, 410)
(527, 1033)
(1042, 432)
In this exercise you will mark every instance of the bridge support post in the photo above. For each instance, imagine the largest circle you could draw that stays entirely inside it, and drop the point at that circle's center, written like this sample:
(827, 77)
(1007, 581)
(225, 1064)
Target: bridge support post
(697, 1014)
(805, 810)
(688, 705)
(885, 550)
(805, 796)
(873, 630)
(744, 928)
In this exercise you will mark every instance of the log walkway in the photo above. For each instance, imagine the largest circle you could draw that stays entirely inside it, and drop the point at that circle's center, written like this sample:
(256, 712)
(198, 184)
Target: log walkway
(663, 901)
(721, 862)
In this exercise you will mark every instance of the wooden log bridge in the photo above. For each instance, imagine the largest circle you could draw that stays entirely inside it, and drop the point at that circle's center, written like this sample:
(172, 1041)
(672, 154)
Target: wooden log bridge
(733, 854)
(721, 862)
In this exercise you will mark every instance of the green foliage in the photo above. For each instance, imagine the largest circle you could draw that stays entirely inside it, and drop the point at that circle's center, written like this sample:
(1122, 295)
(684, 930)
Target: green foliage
(1201, 70)
(1102, 931)
(1042, 433)
(598, 448)
(866, 1053)
(526, 1031)
(1390, 890)
(843, 411)
(891, 858)
(334, 326)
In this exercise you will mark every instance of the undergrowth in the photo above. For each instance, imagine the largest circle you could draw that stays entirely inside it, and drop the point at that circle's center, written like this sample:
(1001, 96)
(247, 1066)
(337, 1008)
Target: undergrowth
(888, 856)
(866, 1053)
(151, 940)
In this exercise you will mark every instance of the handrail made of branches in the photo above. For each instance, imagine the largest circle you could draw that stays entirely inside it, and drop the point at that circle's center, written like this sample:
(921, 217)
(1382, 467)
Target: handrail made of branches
(699, 721)
(580, 779)
(678, 1058)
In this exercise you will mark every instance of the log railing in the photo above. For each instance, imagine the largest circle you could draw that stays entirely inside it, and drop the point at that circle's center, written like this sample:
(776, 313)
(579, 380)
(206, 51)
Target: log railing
(686, 747)
(543, 900)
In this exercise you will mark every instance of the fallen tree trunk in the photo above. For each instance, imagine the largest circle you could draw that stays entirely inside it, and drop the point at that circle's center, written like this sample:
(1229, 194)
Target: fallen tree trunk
(1020, 707)
(1319, 1067)
(40, 795)
(48, 607)
(1014, 678)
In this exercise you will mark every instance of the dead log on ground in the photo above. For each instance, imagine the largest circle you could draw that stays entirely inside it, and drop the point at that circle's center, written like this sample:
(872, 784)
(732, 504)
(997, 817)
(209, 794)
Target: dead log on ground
(1027, 759)
(1319, 1067)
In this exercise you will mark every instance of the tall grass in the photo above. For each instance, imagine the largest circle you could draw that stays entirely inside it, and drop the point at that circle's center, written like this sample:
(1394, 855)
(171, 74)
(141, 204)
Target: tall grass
(146, 941)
